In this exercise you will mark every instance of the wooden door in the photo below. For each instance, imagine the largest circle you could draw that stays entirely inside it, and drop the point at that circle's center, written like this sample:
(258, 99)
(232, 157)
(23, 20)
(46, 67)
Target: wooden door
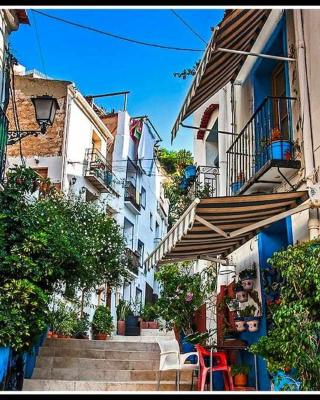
(280, 103)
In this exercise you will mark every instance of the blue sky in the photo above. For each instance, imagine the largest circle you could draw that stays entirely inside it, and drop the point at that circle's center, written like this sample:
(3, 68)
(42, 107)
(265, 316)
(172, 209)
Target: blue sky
(101, 64)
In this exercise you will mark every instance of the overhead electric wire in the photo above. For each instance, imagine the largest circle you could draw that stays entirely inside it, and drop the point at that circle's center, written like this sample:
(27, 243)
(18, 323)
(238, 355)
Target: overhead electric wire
(38, 42)
(114, 35)
(189, 26)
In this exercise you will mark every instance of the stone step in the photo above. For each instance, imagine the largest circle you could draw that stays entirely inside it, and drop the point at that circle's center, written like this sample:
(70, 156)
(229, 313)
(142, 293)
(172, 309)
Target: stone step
(139, 386)
(156, 332)
(68, 374)
(94, 363)
(101, 344)
(100, 354)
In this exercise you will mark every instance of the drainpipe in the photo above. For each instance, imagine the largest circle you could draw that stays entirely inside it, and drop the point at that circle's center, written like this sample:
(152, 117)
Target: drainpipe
(222, 144)
(313, 224)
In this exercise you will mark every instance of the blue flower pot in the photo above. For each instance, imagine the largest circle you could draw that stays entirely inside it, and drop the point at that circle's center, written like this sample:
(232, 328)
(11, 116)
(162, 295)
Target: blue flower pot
(277, 150)
(236, 186)
(4, 361)
(183, 185)
(190, 172)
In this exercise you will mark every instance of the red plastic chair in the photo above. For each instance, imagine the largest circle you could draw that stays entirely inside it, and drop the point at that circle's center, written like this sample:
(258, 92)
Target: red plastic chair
(219, 364)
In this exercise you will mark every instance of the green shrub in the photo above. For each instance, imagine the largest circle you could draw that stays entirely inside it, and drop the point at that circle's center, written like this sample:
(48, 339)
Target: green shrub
(23, 314)
(149, 312)
(240, 369)
(102, 320)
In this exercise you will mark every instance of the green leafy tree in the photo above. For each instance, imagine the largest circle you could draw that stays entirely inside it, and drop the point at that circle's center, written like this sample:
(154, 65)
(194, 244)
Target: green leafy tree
(182, 293)
(55, 243)
(294, 340)
(174, 162)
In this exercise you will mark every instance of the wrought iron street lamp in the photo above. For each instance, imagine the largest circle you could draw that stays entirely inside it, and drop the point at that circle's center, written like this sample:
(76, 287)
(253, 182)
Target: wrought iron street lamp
(45, 110)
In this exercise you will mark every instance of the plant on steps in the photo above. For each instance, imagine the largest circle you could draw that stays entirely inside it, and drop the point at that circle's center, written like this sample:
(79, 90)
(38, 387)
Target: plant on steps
(294, 340)
(102, 325)
(240, 374)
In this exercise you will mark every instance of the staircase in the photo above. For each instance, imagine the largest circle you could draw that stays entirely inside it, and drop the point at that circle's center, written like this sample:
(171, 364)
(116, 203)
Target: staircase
(121, 363)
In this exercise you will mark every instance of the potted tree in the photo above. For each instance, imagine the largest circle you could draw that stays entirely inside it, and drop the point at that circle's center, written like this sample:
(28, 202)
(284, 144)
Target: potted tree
(247, 277)
(102, 323)
(123, 309)
(240, 374)
(241, 294)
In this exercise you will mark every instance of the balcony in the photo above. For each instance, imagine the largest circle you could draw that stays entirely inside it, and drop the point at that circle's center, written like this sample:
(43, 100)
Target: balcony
(262, 155)
(132, 197)
(133, 258)
(3, 143)
(99, 172)
(207, 179)
(203, 181)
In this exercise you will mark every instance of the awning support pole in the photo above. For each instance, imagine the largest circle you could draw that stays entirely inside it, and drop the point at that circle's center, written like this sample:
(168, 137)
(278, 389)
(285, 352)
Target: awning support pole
(213, 227)
(273, 219)
(207, 130)
(248, 53)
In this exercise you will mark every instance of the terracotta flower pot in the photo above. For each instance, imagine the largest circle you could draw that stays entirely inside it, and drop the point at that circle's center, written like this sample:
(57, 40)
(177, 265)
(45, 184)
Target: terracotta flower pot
(49, 334)
(100, 336)
(152, 324)
(240, 380)
(143, 324)
(242, 296)
(54, 335)
(121, 325)
(247, 284)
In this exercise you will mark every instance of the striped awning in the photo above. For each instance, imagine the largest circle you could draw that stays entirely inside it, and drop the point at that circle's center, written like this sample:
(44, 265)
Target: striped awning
(218, 226)
(237, 31)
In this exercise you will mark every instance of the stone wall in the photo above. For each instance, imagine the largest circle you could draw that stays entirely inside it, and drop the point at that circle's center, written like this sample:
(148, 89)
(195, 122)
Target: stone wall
(51, 143)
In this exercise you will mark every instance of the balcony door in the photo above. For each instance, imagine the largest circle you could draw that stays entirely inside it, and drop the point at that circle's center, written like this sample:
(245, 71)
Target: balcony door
(280, 103)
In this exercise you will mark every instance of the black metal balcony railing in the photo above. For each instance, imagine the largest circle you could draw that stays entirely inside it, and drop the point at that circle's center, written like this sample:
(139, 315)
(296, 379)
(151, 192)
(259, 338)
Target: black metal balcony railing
(266, 136)
(133, 258)
(3, 143)
(131, 194)
(207, 180)
(98, 170)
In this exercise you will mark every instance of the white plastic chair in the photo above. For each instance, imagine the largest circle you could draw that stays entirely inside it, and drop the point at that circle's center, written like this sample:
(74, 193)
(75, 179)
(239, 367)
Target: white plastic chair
(172, 359)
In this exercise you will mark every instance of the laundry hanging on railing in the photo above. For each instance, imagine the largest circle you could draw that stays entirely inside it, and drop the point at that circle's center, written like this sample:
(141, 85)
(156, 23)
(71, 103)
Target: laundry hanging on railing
(136, 126)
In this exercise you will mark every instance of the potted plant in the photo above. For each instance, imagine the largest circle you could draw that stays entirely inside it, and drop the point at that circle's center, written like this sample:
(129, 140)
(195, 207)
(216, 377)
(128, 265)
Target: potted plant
(247, 277)
(240, 374)
(279, 148)
(238, 183)
(148, 316)
(123, 309)
(241, 294)
(240, 323)
(251, 320)
(102, 323)
(81, 327)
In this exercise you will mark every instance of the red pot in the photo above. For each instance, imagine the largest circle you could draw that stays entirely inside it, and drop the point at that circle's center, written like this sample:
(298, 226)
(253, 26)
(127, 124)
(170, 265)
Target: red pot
(143, 324)
(240, 380)
(152, 324)
(101, 336)
(49, 334)
(121, 328)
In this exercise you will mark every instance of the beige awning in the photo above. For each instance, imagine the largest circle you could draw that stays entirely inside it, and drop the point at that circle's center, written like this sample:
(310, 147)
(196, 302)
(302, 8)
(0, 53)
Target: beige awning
(218, 226)
(237, 31)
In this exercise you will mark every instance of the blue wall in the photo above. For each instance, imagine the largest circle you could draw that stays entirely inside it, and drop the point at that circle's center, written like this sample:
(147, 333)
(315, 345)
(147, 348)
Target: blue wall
(277, 237)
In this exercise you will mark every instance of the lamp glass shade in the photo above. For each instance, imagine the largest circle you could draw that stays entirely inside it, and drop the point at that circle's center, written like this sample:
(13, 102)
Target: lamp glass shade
(45, 109)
